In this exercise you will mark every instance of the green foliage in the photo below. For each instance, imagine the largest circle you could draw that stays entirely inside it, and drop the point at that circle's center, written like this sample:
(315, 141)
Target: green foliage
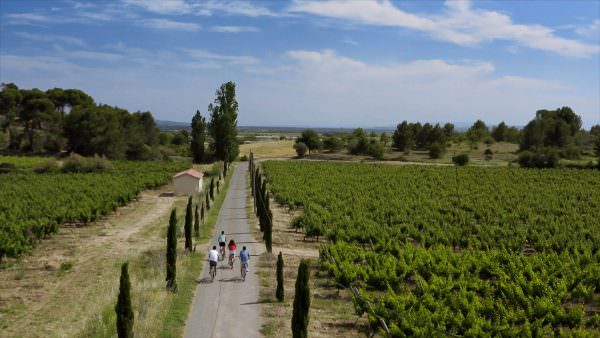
(279, 292)
(461, 160)
(311, 139)
(543, 158)
(212, 189)
(300, 148)
(207, 201)
(79, 164)
(198, 138)
(68, 198)
(436, 150)
(123, 308)
(478, 132)
(551, 128)
(301, 305)
(172, 252)
(478, 251)
(332, 143)
(376, 150)
(410, 135)
(223, 123)
(189, 218)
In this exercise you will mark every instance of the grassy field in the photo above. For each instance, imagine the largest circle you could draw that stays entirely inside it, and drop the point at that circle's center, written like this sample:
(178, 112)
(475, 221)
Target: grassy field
(269, 149)
(67, 286)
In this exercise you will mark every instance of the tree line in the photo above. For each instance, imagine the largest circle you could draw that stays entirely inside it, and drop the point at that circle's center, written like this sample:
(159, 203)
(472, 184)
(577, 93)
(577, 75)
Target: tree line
(548, 137)
(70, 120)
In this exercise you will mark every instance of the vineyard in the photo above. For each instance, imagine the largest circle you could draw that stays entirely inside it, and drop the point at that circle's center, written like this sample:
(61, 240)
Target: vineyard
(32, 205)
(442, 251)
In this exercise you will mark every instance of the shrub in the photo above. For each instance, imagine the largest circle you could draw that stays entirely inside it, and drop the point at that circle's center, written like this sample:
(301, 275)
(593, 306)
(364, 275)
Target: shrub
(461, 160)
(49, 166)
(7, 168)
(244, 158)
(546, 158)
(301, 149)
(376, 150)
(333, 143)
(488, 151)
(436, 150)
(79, 164)
(571, 152)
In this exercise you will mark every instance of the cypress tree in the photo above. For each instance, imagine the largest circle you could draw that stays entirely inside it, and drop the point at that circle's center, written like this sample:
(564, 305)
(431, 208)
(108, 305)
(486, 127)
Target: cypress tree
(225, 167)
(187, 229)
(212, 189)
(279, 293)
(207, 202)
(202, 213)
(123, 308)
(301, 302)
(197, 222)
(218, 184)
(172, 252)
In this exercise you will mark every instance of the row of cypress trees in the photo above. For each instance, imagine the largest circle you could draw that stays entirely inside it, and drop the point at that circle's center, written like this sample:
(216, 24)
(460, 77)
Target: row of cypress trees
(260, 195)
(262, 208)
(193, 219)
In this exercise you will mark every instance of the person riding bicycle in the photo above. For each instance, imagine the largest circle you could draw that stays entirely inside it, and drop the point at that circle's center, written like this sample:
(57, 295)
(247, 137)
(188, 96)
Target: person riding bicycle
(232, 248)
(244, 258)
(222, 243)
(213, 257)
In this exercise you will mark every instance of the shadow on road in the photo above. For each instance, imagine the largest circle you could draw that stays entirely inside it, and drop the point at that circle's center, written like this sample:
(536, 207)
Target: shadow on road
(239, 233)
(205, 280)
(265, 301)
(232, 279)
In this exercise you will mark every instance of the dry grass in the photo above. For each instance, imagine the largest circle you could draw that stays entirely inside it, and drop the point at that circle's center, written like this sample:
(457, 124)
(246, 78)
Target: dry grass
(269, 149)
(331, 312)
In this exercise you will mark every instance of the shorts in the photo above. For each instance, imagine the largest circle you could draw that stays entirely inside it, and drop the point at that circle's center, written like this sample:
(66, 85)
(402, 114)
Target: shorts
(221, 243)
(213, 263)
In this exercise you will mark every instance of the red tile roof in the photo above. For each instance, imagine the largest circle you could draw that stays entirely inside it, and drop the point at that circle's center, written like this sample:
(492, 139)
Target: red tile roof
(191, 172)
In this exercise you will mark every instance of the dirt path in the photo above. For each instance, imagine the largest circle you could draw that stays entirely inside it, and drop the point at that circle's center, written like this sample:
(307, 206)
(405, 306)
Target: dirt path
(54, 290)
(229, 307)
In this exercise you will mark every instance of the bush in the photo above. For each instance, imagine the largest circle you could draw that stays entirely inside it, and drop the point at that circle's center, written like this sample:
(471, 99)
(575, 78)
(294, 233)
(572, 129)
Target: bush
(244, 158)
(436, 150)
(301, 149)
(49, 166)
(546, 158)
(79, 164)
(376, 150)
(333, 143)
(461, 160)
(488, 151)
(571, 152)
(6, 168)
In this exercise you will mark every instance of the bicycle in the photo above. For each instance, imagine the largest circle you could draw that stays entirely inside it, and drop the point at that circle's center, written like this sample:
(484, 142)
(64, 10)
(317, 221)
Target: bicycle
(231, 258)
(213, 272)
(244, 269)
(221, 253)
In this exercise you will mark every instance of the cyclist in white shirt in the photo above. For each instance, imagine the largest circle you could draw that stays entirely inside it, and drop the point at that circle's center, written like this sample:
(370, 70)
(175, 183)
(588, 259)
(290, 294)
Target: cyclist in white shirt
(213, 257)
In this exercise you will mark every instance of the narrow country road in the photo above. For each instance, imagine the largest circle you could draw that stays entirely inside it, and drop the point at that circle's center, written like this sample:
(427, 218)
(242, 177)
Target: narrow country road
(228, 307)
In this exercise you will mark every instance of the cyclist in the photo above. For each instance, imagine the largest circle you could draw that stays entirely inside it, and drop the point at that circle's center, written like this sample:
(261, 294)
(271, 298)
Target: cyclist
(244, 258)
(232, 248)
(213, 257)
(222, 243)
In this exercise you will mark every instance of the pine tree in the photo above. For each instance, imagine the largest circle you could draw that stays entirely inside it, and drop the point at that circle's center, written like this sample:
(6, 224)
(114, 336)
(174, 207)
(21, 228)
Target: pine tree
(197, 222)
(123, 308)
(198, 138)
(207, 202)
(279, 293)
(301, 302)
(187, 229)
(212, 189)
(172, 252)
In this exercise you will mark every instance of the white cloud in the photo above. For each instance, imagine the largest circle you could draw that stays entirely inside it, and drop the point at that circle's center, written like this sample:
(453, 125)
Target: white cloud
(349, 41)
(232, 59)
(459, 23)
(51, 38)
(590, 31)
(243, 8)
(165, 24)
(162, 6)
(27, 18)
(234, 29)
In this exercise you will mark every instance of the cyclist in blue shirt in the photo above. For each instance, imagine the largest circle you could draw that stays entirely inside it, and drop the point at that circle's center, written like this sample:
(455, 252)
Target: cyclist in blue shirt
(244, 258)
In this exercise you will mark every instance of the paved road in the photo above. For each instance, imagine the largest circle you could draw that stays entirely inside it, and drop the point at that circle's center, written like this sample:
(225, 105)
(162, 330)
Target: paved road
(228, 307)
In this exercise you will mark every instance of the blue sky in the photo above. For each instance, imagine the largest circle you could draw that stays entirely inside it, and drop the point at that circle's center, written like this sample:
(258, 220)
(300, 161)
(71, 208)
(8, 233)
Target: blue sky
(313, 63)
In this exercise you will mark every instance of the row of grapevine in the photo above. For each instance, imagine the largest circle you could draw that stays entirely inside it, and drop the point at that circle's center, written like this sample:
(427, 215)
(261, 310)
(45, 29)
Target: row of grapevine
(32, 206)
(467, 251)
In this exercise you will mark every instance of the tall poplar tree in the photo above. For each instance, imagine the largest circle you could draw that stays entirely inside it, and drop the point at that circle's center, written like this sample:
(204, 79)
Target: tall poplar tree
(223, 123)
(198, 138)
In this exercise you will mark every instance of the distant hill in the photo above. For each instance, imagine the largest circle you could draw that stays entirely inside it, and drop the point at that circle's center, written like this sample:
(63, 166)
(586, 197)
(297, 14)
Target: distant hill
(172, 125)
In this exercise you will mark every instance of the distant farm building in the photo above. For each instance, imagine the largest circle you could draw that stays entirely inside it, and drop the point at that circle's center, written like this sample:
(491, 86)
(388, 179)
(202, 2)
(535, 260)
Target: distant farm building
(188, 182)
